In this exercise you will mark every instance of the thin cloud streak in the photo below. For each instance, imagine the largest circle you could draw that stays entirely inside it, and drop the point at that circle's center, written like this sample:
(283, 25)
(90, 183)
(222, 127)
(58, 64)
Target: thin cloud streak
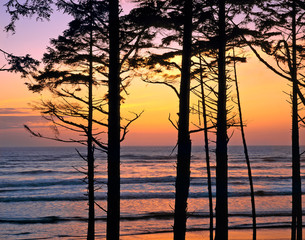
(13, 111)
(17, 122)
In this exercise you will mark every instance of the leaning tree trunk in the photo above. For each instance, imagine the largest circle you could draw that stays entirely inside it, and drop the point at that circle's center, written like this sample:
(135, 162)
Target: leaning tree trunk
(113, 201)
(90, 155)
(296, 232)
(245, 152)
(184, 142)
(206, 146)
(221, 232)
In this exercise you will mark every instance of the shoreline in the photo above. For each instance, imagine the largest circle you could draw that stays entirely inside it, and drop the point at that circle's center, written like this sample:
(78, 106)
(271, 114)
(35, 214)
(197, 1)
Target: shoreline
(234, 234)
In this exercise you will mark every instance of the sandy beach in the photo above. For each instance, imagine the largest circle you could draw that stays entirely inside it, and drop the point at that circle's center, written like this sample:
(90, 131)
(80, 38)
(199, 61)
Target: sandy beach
(262, 234)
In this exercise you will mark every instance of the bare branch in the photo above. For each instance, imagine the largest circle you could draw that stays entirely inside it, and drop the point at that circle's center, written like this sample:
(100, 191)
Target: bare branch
(170, 120)
(125, 128)
(164, 83)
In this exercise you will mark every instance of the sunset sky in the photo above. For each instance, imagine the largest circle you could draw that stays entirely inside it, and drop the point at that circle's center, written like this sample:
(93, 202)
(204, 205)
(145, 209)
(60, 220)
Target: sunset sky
(265, 107)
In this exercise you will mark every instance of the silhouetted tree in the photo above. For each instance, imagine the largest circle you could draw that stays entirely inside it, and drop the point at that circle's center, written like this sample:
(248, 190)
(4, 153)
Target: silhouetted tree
(119, 45)
(219, 35)
(113, 213)
(245, 147)
(221, 232)
(280, 24)
(167, 15)
(75, 51)
(184, 142)
(176, 17)
(213, 43)
(90, 147)
(206, 146)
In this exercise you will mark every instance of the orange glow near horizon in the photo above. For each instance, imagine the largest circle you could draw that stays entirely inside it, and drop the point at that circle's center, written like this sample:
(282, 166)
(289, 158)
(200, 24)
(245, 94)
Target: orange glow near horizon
(265, 108)
(266, 111)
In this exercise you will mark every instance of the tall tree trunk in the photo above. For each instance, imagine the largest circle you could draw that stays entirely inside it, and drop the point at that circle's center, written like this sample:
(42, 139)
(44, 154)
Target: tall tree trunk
(113, 201)
(296, 179)
(184, 142)
(90, 155)
(206, 146)
(246, 152)
(221, 138)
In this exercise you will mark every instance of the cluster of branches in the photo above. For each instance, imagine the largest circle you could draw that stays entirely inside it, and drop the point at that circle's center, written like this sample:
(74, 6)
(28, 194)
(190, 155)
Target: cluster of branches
(18, 64)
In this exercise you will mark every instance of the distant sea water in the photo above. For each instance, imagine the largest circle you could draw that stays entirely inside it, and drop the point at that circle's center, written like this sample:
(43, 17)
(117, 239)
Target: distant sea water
(42, 195)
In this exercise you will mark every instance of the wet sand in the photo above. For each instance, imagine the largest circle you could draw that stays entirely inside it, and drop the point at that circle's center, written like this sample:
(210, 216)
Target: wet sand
(262, 234)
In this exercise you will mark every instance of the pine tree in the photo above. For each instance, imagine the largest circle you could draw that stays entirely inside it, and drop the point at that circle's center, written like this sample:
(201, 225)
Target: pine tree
(220, 36)
(113, 200)
(184, 142)
(117, 45)
(75, 51)
(279, 26)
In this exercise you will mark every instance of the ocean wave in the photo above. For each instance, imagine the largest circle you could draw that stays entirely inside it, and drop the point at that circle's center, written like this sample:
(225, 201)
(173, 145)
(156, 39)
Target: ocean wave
(43, 199)
(132, 196)
(275, 159)
(37, 172)
(165, 179)
(34, 173)
(195, 181)
(28, 185)
(40, 220)
(40, 183)
(77, 181)
(147, 157)
(148, 216)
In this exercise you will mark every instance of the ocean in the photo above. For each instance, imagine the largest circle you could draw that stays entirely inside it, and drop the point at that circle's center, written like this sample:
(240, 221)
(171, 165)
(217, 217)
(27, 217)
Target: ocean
(43, 193)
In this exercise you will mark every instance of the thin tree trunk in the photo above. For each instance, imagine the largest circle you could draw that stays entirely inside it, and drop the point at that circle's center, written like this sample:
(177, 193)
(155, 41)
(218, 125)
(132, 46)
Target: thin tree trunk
(206, 146)
(90, 155)
(184, 142)
(221, 137)
(246, 152)
(296, 179)
(113, 201)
